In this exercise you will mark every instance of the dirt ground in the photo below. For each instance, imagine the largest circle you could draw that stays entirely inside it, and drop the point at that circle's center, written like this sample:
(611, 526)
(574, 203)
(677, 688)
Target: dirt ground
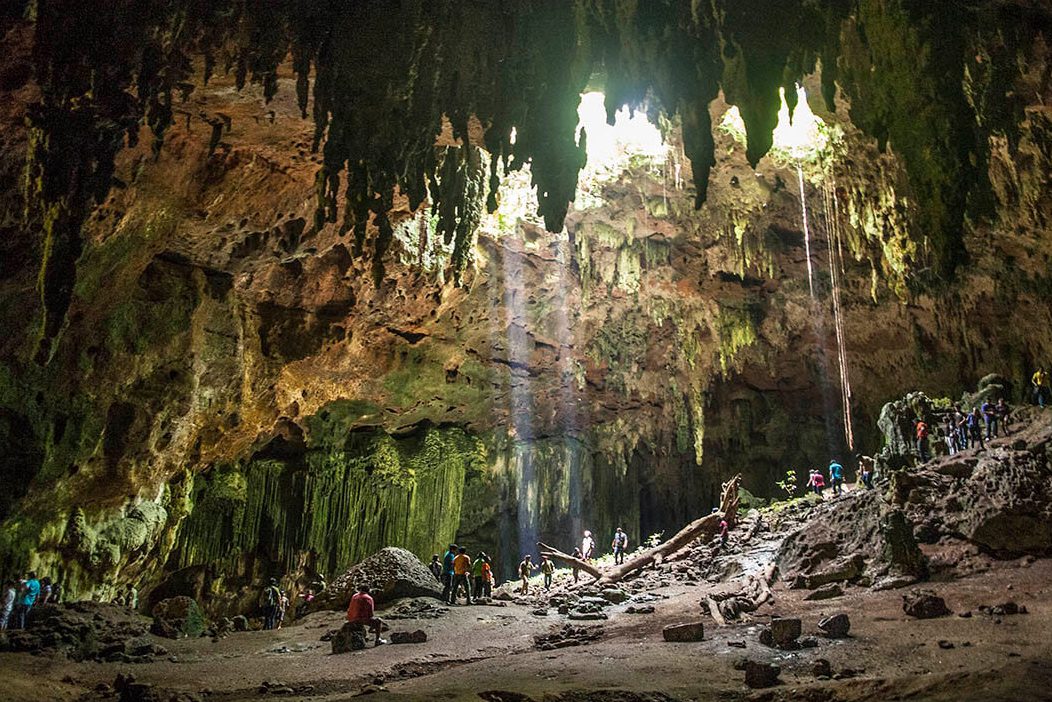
(489, 649)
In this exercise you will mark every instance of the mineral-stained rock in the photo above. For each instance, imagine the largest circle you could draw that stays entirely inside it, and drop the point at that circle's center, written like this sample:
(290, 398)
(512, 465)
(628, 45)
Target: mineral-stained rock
(924, 604)
(836, 626)
(178, 617)
(758, 674)
(350, 638)
(409, 637)
(691, 631)
(391, 573)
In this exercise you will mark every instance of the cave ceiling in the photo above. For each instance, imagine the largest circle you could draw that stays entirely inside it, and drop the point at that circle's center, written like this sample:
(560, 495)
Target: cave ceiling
(934, 79)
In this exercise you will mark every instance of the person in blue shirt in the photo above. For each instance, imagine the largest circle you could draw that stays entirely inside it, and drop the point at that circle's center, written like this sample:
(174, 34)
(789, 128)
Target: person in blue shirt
(28, 598)
(447, 573)
(836, 477)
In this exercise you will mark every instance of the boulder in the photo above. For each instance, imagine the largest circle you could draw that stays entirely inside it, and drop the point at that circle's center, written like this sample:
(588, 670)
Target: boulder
(350, 638)
(784, 631)
(391, 573)
(614, 595)
(924, 604)
(759, 675)
(836, 626)
(679, 633)
(409, 637)
(178, 617)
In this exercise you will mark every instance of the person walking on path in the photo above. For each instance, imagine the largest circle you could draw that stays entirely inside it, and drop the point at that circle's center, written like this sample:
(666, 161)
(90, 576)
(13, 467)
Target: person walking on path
(619, 545)
(990, 419)
(447, 573)
(268, 600)
(1004, 415)
(548, 570)
(487, 578)
(836, 477)
(587, 546)
(283, 606)
(576, 571)
(362, 610)
(816, 482)
(525, 566)
(461, 575)
(865, 470)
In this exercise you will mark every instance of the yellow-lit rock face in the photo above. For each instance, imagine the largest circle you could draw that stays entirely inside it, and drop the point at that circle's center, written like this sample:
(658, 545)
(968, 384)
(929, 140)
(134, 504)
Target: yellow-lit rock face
(232, 397)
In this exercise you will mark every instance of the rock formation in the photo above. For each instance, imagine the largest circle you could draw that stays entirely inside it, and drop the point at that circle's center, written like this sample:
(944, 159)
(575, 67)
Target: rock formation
(228, 357)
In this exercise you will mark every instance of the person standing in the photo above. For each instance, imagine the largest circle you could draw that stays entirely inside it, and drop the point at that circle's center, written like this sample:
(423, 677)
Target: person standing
(620, 545)
(477, 568)
(975, 428)
(24, 605)
(836, 477)
(436, 567)
(1003, 415)
(362, 610)
(921, 431)
(576, 571)
(587, 546)
(525, 566)
(865, 470)
(990, 419)
(1040, 383)
(817, 482)
(447, 573)
(283, 607)
(45, 591)
(461, 575)
(7, 603)
(548, 570)
(268, 600)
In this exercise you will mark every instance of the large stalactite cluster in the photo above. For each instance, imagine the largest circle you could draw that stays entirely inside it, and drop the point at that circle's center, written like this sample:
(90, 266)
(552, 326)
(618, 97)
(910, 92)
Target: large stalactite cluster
(934, 78)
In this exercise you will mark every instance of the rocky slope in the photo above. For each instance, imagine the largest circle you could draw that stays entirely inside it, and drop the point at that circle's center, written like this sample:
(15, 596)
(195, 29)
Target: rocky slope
(232, 396)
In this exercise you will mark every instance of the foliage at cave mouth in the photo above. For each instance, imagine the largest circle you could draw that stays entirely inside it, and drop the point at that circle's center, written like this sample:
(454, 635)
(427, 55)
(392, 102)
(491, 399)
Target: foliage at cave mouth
(932, 78)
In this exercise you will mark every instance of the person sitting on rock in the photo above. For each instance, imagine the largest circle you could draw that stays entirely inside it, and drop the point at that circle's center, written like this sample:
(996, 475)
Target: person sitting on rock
(436, 567)
(619, 545)
(461, 575)
(525, 566)
(361, 611)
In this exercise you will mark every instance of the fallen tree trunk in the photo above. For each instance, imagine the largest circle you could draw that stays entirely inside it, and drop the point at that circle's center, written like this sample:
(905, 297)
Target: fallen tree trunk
(556, 554)
(706, 527)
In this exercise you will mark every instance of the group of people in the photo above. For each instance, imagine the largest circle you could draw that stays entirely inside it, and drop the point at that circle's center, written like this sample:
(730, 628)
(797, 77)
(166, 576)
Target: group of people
(19, 597)
(275, 603)
(816, 481)
(459, 573)
(965, 429)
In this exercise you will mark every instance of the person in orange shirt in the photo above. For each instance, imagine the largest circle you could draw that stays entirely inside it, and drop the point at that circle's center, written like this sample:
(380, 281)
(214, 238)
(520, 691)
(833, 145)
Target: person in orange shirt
(461, 575)
(361, 611)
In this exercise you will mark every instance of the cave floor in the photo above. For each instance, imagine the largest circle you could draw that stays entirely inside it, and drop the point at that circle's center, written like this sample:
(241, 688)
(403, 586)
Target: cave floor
(484, 648)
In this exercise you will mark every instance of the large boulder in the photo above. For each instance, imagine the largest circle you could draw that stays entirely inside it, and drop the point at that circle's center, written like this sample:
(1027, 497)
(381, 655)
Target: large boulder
(924, 604)
(391, 573)
(350, 638)
(178, 617)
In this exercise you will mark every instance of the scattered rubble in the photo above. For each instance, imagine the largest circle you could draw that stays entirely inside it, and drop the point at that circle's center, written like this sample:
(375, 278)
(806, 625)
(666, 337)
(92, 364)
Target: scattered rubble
(566, 636)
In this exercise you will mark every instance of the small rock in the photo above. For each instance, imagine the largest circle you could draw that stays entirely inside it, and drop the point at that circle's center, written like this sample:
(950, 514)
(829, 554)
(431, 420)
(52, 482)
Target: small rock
(924, 604)
(808, 642)
(836, 626)
(409, 637)
(965, 615)
(736, 644)
(540, 612)
(240, 622)
(826, 592)
(821, 668)
(944, 644)
(692, 631)
(759, 674)
(614, 595)
(642, 609)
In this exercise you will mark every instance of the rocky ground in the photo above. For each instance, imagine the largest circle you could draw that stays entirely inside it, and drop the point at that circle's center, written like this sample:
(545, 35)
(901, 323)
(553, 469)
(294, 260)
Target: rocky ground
(989, 642)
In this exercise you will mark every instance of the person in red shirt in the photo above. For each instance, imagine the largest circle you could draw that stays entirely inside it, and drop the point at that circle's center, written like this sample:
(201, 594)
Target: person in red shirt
(361, 611)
